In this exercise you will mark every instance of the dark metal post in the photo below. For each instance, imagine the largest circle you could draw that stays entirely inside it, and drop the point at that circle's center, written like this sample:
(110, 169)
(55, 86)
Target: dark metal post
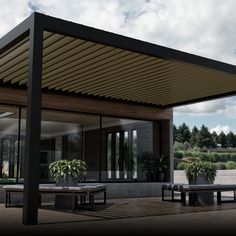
(33, 125)
(100, 148)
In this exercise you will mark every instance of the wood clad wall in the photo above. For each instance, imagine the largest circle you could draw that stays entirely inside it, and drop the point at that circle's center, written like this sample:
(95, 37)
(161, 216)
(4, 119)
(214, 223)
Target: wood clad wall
(80, 104)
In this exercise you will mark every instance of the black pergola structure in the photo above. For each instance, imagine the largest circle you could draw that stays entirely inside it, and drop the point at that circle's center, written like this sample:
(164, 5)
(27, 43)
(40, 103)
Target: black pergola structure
(101, 65)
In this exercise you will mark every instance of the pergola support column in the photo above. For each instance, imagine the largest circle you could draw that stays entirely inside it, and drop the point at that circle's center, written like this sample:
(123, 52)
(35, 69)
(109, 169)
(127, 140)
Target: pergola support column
(33, 124)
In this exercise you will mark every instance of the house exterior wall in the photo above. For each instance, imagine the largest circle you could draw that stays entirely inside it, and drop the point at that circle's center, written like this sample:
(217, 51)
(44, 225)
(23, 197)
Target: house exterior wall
(161, 142)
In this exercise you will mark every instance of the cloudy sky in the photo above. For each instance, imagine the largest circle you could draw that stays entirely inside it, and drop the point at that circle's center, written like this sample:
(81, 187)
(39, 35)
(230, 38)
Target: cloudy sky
(202, 27)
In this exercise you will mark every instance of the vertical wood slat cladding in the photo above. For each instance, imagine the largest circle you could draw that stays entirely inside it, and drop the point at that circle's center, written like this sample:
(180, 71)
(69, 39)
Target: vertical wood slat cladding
(80, 104)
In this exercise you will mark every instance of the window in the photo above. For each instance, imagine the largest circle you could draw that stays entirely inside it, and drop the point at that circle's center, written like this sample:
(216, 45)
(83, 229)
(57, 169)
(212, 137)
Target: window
(68, 135)
(112, 147)
(126, 141)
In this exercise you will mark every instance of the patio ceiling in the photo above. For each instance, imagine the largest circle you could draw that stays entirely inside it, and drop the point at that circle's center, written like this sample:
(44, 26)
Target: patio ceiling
(92, 62)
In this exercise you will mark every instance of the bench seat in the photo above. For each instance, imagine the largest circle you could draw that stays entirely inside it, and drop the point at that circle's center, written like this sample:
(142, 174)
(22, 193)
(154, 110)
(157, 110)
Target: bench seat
(81, 190)
(194, 189)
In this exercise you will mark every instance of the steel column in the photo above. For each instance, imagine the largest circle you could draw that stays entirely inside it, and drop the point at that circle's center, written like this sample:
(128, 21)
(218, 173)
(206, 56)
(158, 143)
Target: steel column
(33, 125)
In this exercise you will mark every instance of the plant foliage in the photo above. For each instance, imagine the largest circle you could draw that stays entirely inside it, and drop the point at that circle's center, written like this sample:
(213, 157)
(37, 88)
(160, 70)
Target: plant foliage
(153, 163)
(198, 168)
(67, 170)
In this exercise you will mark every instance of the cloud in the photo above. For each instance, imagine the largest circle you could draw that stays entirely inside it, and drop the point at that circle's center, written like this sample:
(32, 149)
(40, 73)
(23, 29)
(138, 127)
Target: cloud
(202, 27)
(205, 28)
(35, 6)
(11, 14)
(219, 128)
(203, 108)
(225, 107)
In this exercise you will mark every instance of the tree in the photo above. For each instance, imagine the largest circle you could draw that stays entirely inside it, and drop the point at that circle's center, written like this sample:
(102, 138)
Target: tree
(222, 139)
(183, 133)
(194, 137)
(175, 132)
(230, 140)
(215, 137)
(205, 138)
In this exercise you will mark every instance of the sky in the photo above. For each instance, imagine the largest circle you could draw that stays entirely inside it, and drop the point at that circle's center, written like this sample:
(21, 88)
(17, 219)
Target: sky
(202, 27)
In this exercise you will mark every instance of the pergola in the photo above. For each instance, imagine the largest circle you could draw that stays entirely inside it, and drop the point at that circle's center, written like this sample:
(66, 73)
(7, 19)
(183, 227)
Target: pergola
(48, 54)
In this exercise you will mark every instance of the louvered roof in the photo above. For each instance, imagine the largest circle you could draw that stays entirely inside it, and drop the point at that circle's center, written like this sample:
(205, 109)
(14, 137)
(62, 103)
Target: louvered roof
(85, 61)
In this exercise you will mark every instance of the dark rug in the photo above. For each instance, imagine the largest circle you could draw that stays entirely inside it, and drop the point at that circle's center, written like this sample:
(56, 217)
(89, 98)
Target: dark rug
(142, 207)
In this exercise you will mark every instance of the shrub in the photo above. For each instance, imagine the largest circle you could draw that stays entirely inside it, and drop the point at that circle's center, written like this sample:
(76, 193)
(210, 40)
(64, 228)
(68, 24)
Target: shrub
(178, 146)
(230, 165)
(204, 156)
(220, 165)
(233, 157)
(190, 159)
(181, 165)
(178, 155)
(186, 146)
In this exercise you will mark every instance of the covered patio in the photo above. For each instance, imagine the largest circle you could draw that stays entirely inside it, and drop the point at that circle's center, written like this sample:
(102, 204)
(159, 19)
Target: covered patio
(137, 216)
(69, 67)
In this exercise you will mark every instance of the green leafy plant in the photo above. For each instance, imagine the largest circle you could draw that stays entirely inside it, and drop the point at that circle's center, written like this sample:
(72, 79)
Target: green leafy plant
(64, 171)
(197, 169)
(153, 164)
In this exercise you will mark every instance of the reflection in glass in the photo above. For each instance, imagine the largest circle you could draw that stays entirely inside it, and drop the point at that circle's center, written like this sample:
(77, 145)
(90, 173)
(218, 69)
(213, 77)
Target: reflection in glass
(109, 155)
(134, 154)
(117, 156)
(126, 153)
(66, 135)
(8, 143)
(129, 139)
(113, 151)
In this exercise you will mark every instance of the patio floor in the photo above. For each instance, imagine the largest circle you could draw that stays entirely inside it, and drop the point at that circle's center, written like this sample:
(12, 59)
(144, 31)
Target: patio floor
(139, 216)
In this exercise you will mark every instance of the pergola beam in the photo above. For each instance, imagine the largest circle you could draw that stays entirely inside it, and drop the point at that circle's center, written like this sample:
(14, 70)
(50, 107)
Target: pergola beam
(91, 34)
(16, 35)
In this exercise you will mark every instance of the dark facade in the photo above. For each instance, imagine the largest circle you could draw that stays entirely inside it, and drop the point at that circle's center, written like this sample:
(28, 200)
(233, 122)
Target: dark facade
(112, 146)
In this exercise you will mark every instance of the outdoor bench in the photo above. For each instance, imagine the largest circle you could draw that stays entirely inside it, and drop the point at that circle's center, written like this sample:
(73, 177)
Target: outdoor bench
(193, 189)
(81, 191)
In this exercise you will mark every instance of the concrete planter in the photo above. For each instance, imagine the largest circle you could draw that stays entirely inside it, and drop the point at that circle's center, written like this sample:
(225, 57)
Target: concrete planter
(206, 198)
(63, 202)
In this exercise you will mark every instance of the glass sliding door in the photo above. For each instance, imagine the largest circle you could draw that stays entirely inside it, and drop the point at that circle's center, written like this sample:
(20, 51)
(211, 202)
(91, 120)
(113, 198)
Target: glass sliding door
(115, 149)
(67, 135)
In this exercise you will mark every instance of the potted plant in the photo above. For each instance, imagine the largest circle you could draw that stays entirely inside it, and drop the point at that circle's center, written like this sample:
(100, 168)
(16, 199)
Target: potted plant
(162, 166)
(198, 172)
(154, 165)
(67, 172)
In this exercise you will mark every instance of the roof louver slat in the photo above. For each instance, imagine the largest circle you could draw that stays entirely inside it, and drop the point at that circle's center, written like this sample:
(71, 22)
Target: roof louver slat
(79, 66)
